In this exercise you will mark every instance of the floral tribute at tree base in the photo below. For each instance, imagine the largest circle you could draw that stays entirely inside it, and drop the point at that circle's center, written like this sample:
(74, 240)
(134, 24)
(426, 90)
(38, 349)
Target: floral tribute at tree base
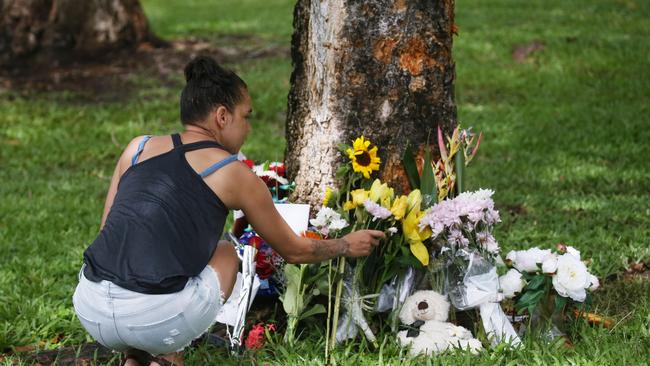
(440, 248)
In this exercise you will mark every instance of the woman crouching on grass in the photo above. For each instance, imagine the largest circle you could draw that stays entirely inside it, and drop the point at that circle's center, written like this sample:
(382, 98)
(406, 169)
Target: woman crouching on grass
(156, 275)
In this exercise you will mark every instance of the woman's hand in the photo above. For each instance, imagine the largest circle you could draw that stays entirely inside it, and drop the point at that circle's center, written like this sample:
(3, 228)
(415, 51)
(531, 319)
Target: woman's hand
(361, 243)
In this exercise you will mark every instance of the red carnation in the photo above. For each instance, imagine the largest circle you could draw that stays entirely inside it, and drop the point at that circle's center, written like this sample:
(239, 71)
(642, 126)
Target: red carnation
(264, 267)
(249, 162)
(256, 242)
(278, 168)
(255, 339)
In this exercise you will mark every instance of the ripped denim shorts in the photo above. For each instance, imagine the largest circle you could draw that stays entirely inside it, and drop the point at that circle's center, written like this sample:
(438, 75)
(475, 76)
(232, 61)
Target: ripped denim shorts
(121, 319)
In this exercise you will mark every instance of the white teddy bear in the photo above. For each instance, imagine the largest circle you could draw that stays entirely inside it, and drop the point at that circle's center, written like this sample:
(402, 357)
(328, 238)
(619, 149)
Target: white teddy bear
(428, 311)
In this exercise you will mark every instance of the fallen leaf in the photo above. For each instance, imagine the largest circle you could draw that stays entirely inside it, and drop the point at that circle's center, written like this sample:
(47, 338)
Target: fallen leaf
(26, 348)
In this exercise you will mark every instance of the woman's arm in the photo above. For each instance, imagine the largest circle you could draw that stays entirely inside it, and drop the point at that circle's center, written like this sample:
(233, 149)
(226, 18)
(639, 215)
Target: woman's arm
(254, 198)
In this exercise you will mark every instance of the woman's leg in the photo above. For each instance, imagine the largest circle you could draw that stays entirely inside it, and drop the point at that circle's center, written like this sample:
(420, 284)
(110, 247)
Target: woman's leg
(226, 263)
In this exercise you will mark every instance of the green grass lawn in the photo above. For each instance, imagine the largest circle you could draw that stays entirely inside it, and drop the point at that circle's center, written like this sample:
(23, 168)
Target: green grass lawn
(565, 149)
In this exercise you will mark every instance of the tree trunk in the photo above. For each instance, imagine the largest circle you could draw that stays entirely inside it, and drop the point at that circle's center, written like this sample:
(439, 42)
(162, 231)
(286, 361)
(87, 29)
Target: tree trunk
(62, 29)
(378, 68)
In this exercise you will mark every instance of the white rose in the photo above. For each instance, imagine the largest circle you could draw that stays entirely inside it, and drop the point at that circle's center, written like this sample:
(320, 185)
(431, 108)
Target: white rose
(512, 256)
(511, 283)
(594, 283)
(571, 278)
(573, 251)
(549, 265)
(528, 260)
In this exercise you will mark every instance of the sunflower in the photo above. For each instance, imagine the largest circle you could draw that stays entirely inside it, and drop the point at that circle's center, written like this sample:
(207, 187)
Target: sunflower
(364, 160)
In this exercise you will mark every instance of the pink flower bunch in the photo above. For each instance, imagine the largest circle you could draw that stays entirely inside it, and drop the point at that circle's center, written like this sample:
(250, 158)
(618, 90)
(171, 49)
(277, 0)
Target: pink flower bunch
(469, 216)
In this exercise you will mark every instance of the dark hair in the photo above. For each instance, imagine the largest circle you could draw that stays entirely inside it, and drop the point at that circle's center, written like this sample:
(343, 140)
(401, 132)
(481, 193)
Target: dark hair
(208, 86)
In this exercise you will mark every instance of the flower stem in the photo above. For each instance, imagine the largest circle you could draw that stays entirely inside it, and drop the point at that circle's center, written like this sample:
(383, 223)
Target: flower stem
(329, 312)
(337, 300)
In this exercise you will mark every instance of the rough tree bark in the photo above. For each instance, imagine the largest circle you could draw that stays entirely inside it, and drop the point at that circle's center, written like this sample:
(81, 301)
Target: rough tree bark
(60, 29)
(378, 68)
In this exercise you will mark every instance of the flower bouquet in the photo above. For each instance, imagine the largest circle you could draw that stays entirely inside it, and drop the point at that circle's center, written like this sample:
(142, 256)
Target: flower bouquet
(462, 228)
(545, 283)
(439, 180)
(462, 247)
(366, 203)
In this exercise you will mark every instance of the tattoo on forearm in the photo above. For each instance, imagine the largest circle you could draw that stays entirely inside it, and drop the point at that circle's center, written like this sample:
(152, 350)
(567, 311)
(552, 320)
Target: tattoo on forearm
(326, 249)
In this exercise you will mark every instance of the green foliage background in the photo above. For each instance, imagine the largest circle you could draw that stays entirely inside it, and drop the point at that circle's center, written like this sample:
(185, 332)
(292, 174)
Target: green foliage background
(565, 149)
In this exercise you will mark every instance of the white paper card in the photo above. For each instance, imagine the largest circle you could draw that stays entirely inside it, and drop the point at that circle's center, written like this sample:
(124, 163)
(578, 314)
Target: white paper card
(295, 214)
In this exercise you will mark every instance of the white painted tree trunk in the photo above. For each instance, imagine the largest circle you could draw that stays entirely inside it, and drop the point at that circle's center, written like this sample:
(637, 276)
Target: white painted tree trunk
(378, 68)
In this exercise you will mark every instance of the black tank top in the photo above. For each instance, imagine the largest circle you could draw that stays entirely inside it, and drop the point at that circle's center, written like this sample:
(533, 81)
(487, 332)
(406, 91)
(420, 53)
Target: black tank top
(163, 226)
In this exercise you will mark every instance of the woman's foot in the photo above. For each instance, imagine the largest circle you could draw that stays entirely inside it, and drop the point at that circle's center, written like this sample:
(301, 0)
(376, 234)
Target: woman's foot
(171, 359)
(136, 357)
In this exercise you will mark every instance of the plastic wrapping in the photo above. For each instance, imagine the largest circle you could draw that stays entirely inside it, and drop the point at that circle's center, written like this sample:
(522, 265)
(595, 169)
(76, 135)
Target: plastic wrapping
(393, 294)
(228, 313)
(353, 319)
(478, 287)
(246, 254)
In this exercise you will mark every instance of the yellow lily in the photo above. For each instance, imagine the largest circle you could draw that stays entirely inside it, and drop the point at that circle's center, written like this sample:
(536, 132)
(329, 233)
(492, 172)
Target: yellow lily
(385, 201)
(415, 237)
(410, 227)
(420, 252)
(375, 190)
(414, 200)
(348, 205)
(359, 196)
(399, 207)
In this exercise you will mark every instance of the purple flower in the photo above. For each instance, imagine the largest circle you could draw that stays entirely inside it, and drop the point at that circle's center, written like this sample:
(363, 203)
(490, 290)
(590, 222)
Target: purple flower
(467, 212)
(376, 210)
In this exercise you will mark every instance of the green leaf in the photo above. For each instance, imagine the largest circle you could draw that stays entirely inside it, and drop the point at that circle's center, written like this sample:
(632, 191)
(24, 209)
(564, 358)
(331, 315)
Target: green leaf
(411, 168)
(428, 182)
(316, 309)
(460, 173)
(529, 300)
(536, 282)
(291, 298)
(342, 171)
(532, 296)
(560, 302)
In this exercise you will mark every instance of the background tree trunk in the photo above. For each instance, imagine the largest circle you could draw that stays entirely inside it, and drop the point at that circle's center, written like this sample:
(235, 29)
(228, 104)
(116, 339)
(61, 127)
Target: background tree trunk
(63, 29)
(378, 68)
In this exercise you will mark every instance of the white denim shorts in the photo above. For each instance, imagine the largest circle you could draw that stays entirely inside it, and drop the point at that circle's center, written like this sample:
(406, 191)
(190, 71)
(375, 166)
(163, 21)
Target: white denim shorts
(121, 319)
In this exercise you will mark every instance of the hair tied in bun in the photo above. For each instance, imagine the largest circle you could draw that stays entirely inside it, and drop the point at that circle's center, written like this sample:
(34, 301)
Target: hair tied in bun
(201, 67)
